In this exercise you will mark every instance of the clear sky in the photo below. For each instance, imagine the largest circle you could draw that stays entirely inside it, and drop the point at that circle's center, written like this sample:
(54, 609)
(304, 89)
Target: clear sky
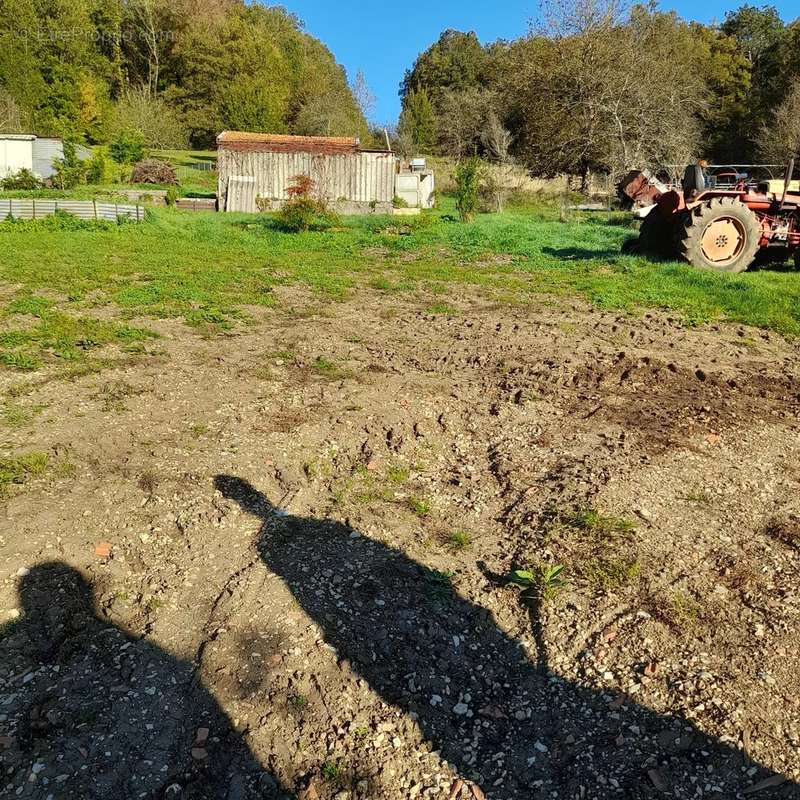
(383, 38)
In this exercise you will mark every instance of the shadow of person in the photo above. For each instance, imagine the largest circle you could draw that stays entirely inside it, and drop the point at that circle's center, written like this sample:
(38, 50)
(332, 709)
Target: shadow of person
(89, 712)
(508, 725)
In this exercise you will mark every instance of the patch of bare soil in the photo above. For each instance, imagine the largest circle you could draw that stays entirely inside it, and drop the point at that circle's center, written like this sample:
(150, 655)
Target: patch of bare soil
(280, 566)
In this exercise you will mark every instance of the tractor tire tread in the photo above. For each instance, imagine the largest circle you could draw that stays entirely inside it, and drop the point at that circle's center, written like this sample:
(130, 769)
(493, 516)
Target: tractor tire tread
(689, 246)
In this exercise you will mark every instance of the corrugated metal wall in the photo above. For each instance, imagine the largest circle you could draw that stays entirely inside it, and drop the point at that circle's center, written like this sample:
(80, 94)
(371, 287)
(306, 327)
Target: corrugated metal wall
(31, 208)
(358, 178)
(47, 150)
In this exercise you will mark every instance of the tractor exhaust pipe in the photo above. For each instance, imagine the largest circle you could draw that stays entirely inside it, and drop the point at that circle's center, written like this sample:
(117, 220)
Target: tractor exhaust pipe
(787, 180)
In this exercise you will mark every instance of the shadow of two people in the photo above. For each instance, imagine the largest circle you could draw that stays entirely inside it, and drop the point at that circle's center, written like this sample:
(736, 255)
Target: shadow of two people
(94, 713)
(510, 726)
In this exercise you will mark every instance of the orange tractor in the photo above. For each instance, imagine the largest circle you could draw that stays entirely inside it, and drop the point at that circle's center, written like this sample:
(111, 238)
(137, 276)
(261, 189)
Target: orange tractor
(723, 226)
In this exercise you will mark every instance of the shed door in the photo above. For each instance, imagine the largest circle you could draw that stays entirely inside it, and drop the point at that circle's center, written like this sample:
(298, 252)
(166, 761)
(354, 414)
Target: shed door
(241, 194)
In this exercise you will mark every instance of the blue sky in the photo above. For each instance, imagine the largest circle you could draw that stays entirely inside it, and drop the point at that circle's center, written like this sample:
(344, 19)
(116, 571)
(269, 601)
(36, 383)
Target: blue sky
(383, 39)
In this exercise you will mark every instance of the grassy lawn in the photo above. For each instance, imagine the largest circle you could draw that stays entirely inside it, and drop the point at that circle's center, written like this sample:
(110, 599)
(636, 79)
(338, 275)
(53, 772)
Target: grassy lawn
(193, 182)
(56, 274)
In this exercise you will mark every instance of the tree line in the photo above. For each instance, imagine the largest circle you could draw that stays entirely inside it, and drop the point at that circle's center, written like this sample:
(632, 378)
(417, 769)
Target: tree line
(600, 87)
(175, 71)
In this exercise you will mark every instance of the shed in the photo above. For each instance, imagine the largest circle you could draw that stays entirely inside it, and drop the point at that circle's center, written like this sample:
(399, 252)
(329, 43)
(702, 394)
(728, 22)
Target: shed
(16, 153)
(46, 150)
(25, 151)
(256, 169)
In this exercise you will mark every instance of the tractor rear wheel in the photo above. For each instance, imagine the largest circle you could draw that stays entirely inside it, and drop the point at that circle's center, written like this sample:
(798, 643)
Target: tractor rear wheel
(720, 234)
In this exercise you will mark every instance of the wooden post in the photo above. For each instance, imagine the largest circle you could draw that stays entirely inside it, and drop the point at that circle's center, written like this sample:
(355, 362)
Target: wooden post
(94, 204)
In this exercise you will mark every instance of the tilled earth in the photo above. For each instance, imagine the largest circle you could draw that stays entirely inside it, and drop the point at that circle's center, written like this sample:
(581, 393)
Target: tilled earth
(275, 563)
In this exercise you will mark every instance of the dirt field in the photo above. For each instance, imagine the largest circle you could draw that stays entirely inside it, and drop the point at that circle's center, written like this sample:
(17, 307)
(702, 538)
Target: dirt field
(274, 563)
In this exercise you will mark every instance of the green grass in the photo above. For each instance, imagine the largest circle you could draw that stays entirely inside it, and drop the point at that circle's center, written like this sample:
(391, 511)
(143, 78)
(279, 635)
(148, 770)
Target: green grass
(608, 574)
(459, 540)
(21, 469)
(193, 182)
(33, 331)
(592, 521)
(333, 772)
(206, 268)
(17, 416)
(420, 506)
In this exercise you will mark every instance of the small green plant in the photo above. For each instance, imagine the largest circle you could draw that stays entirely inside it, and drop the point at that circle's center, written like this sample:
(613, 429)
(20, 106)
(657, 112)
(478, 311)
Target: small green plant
(333, 772)
(590, 520)
(324, 366)
(547, 580)
(361, 732)
(683, 610)
(209, 320)
(172, 196)
(298, 702)
(468, 181)
(609, 574)
(420, 506)
(440, 586)
(397, 474)
(198, 430)
(459, 540)
(21, 362)
(399, 202)
(698, 496)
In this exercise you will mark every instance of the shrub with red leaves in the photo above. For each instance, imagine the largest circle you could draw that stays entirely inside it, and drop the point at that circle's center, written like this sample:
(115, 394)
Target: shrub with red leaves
(301, 186)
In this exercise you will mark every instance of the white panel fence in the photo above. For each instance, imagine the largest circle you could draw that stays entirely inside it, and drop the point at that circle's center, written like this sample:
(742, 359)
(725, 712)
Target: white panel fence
(31, 208)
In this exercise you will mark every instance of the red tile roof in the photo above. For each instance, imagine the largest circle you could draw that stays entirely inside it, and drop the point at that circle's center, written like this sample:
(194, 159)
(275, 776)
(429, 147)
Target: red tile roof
(278, 143)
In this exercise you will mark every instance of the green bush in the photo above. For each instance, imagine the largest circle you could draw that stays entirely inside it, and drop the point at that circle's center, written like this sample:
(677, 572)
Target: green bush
(468, 182)
(304, 214)
(127, 147)
(70, 171)
(22, 180)
(98, 169)
(172, 196)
